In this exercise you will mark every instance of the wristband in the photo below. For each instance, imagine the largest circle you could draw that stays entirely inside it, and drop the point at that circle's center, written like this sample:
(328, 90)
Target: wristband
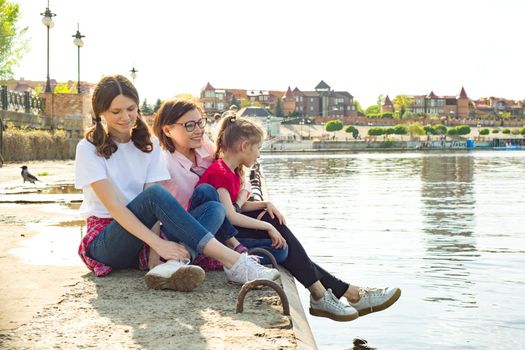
(237, 208)
(240, 248)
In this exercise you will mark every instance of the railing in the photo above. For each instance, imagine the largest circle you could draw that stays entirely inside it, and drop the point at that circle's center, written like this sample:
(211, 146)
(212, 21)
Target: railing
(22, 102)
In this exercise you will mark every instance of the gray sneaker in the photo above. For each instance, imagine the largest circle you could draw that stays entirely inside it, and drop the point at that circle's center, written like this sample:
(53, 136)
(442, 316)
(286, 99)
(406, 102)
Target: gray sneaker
(246, 269)
(375, 299)
(176, 275)
(331, 307)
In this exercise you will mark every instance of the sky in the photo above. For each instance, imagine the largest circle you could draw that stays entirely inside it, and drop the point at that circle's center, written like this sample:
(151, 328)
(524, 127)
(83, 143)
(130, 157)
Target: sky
(365, 47)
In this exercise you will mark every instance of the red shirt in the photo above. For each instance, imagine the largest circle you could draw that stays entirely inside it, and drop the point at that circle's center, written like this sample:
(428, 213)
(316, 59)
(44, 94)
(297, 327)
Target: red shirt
(220, 175)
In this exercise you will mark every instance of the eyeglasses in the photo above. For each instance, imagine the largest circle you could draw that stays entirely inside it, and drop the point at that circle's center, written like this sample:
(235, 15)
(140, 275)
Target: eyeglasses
(190, 126)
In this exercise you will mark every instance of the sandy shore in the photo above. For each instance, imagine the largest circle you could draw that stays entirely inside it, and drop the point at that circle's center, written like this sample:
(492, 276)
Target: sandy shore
(48, 299)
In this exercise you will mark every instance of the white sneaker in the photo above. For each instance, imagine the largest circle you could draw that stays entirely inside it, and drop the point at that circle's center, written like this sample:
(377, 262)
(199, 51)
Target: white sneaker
(176, 275)
(375, 299)
(247, 269)
(331, 307)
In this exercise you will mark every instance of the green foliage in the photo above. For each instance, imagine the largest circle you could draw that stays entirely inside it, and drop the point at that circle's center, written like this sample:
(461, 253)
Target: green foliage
(13, 44)
(400, 129)
(506, 131)
(402, 103)
(390, 131)
(495, 131)
(429, 130)
(146, 108)
(352, 129)
(484, 131)
(358, 106)
(380, 99)
(415, 129)
(372, 110)
(278, 112)
(234, 101)
(440, 129)
(249, 103)
(387, 115)
(522, 131)
(43, 173)
(376, 131)
(463, 129)
(334, 125)
(452, 132)
(158, 103)
(515, 131)
(505, 115)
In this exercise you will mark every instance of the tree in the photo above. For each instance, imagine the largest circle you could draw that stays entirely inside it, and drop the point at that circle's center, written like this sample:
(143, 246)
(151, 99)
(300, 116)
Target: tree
(12, 42)
(373, 109)
(234, 101)
(376, 131)
(352, 129)
(400, 129)
(463, 129)
(439, 129)
(415, 129)
(157, 105)
(358, 106)
(249, 103)
(146, 109)
(380, 100)
(402, 103)
(279, 108)
(64, 88)
(334, 125)
(484, 132)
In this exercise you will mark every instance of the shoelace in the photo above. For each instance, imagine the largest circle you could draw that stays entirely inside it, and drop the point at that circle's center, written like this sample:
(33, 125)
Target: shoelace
(369, 292)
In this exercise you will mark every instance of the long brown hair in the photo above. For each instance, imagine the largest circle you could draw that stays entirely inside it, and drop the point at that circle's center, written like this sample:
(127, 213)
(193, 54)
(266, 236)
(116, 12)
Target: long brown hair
(169, 112)
(232, 131)
(105, 92)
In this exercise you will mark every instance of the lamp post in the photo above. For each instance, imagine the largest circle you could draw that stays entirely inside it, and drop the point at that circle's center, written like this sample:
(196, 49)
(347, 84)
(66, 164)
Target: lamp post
(133, 73)
(47, 20)
(268, 131)
(301, 123)
(79, 43)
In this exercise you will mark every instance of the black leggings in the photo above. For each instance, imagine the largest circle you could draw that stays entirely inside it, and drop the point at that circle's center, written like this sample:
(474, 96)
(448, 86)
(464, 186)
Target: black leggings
(298, 262)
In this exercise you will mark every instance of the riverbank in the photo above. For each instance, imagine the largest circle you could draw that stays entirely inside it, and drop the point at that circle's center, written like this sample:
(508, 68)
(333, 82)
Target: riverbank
(48, 299)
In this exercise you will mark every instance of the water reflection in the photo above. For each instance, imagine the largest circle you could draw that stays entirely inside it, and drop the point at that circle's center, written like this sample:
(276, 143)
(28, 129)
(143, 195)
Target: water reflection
(448, 214)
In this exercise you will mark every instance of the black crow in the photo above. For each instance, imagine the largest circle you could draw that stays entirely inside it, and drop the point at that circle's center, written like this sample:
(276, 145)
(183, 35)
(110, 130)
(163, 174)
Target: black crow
(27, 176)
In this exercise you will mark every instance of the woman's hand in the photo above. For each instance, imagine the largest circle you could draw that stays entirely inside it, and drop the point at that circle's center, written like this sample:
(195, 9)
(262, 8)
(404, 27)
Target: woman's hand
(278, 240)
(273, 212)
(171, 251)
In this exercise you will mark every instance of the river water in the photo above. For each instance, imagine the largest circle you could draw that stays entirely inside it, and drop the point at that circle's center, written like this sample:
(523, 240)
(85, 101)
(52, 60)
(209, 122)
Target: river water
(447, 228)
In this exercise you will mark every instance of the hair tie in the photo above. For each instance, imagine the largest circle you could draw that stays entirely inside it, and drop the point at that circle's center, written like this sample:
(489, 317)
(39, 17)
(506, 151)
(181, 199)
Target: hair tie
(233, 119)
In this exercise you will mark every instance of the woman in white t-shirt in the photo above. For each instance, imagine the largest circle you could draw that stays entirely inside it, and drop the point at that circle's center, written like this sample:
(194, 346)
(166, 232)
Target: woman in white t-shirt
(117, 166)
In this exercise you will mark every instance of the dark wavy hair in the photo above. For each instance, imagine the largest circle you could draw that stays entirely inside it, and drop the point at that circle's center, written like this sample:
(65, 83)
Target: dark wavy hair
(169, 112)
(105, 92)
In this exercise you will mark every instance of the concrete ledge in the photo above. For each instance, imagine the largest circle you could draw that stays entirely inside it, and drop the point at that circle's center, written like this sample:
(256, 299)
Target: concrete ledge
(301, 328)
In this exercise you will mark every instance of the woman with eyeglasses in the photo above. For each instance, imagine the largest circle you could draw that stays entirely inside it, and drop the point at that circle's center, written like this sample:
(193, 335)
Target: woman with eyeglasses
(187, 151)
(117, 165)
(179, 126)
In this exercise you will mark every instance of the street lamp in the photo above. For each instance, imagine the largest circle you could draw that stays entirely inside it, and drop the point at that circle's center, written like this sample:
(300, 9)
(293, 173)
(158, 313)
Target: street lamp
(133, 74)
(48, 22)
(79, 43)
(268, 131)
(301, 123)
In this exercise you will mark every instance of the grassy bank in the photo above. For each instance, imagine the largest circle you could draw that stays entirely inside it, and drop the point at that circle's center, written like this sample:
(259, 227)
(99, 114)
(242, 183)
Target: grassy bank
(24, 144)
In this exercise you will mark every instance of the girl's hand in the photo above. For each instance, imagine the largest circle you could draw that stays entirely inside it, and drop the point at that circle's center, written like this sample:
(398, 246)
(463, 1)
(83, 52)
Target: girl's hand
(153, 258)
(278, 240)
(273, 212)
(171, 251)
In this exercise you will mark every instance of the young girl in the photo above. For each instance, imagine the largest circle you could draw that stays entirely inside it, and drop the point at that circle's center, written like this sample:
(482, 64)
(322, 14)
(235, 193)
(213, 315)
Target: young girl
(117, 166)
(238, 145)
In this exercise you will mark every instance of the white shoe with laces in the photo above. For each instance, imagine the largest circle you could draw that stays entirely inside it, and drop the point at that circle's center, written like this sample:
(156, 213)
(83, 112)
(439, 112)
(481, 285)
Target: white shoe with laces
(331, 307)
(375, 299)
(176, 275)
(246, 268)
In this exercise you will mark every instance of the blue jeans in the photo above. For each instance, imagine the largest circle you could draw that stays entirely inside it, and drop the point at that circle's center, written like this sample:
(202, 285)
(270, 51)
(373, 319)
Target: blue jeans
(202, 196)
(118, 248)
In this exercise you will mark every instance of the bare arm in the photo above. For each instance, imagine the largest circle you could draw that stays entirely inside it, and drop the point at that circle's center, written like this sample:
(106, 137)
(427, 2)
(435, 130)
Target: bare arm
(241, 220)
(106, 194)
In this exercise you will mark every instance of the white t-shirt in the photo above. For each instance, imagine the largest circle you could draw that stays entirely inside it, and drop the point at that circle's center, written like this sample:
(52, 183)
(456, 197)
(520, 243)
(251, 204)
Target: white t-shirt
(128, 170)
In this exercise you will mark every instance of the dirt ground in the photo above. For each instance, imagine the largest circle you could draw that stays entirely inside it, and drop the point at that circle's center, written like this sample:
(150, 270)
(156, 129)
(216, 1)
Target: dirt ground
(48, 299)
